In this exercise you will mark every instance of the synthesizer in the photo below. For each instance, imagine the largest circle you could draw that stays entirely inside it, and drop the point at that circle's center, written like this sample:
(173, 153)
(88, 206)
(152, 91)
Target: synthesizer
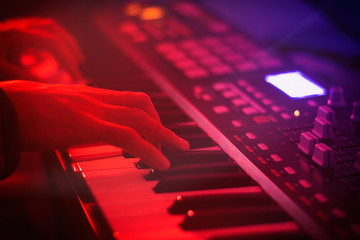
(293, 134)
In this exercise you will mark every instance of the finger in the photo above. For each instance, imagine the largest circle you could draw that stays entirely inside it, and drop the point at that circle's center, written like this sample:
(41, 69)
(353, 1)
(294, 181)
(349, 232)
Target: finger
(129, 140)
(127, 99)
(134, 118)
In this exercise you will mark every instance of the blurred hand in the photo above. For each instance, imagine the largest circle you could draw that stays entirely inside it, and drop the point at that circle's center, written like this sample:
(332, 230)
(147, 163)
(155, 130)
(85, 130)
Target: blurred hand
(58, 116)
(37, 37)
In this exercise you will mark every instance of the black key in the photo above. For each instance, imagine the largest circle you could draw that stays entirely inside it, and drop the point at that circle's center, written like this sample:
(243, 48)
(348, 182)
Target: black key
(173, 116)
(233, 217)
(223, 167)
(199, 140)
(186, 129)
(197, 157)
(221, 200)
(202, 182)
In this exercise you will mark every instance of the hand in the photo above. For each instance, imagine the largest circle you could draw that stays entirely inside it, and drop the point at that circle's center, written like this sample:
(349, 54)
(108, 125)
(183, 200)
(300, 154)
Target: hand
(42, 36)
(58, 116)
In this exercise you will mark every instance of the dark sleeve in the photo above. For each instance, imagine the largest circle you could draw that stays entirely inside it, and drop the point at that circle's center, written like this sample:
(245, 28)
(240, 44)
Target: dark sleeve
(9, 136)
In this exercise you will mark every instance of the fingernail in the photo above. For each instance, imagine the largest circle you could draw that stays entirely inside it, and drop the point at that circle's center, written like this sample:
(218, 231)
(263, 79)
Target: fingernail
(163, 164)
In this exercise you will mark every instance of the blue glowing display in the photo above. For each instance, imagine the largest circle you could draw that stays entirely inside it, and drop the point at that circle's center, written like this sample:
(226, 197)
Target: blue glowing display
(295, 84)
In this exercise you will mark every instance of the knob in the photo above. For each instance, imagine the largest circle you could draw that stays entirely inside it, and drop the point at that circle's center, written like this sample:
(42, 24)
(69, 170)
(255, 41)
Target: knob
(307, 143)
(323, 129)
(336, 98)
(327, 113)
(323, 155)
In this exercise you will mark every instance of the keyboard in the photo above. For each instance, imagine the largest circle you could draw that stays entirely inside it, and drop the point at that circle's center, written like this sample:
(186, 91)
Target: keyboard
(274, 147)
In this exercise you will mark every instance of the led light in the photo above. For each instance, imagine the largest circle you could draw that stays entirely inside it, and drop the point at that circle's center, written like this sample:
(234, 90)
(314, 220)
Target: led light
(190, 213)
(295, 85)
(296, 113)
(179, 198)
(152, 13)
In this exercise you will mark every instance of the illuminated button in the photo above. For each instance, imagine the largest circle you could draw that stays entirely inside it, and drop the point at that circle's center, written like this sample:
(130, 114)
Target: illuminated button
(323, 128)
(289, 170)
(206, 97)
(220, 86)
(285, 116)
(228, 94)
(307, 143)
(326, 113)
(304, 183)
(276, 157)
(196, 73)
(221, 70)
(270, 62)
(261, 119)
(189, 44)
(249, 110)
(275, 108)
(220, 109)
(338, 213)
(246, 66)
(250, 135)
(165, 47)
(152, 13)
(312, 103)
(210, 61)
(258, 95)
(263, 146)
(236, 123)
(267, 101)
(320, 197)
(185, 64)
(175, 56)
(238, 102)
(323, 155)
(250, 89)
(242, 82)
(297, 113)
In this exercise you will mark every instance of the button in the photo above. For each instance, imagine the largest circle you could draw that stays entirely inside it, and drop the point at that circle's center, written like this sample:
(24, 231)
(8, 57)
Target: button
(263, 146)
(185, 63)
(323, 155)
(275, 108)
(221, 69)
(165, 47)
(336, 98)
(249, 110)
(327, 113)
(175, 56)
(246, 66)
(239, 102)
(289, 170)
(267, 101)
(320, 197)
(242, 82)
(285, 116)
(250, 89)
(220, 86)
(258, 95)
(220, 109)
(304, 183)
(307, 143)
(276, 157)
(206, 97)
(250, 135)
(323, 128)
(236, 123)
(228, 94)
(196, 73)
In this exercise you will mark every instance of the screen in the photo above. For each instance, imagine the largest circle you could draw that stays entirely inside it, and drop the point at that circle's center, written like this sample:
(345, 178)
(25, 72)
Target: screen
(295, 84)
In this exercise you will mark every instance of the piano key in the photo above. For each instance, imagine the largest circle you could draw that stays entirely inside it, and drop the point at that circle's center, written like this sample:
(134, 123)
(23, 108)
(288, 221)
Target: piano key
(212, 201)
(223, 167)
(186, 128)
(197, 157)
(90, 152)
(202, 181)
(198, 140)
(173, 116)
(233, 217)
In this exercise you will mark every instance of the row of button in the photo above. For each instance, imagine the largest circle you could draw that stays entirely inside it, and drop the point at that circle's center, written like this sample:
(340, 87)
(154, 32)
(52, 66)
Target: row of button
(198, 58)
